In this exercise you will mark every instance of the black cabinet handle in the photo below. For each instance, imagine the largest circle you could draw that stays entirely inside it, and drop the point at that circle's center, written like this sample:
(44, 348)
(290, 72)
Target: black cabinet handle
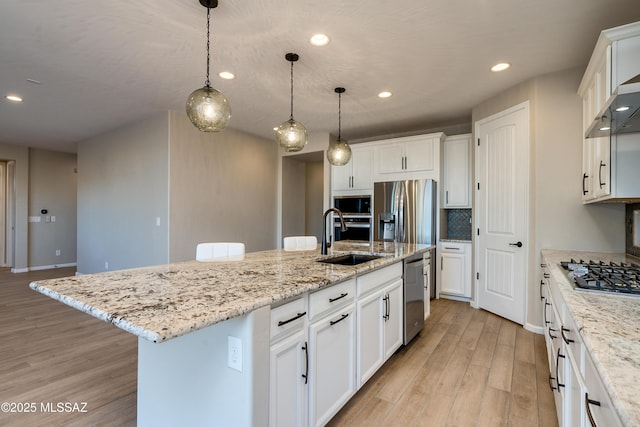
(550, 384)
(344, 316)
(284, 322)
(546, 275)
(387, 307)
(584, 181)
(602, 184)
(305, 347)
(553, 337)
(588, 402)
(562, 331)
(546, 303)
(558, 356)
(543, 265)
(340, 297)
(518, 244)
(541, 283)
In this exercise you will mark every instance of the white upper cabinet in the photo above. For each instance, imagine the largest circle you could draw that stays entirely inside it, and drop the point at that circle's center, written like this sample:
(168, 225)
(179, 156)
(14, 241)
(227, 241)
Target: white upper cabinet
(457, 172)
(356, 176)
(609, 162)
(413, 157)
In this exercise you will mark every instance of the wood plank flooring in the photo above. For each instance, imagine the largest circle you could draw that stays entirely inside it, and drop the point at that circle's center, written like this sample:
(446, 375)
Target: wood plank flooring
(467, 368)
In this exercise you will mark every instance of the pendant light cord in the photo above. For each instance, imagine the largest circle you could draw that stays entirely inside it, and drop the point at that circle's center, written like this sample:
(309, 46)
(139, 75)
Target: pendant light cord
(339, 114)
(207, 83)
(291, 116)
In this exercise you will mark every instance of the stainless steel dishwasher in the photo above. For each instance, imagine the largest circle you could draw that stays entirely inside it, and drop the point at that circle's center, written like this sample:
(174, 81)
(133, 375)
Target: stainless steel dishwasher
(413, 296)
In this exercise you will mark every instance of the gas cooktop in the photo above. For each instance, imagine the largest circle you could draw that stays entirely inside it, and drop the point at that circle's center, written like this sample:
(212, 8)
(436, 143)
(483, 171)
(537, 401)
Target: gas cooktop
(599, 276)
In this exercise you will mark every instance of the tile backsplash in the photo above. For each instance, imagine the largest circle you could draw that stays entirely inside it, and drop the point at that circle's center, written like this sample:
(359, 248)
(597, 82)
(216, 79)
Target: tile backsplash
(459, 224)
(628, 225)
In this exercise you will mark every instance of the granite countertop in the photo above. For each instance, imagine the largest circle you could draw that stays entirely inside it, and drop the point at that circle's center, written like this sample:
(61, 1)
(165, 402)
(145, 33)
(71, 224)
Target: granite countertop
(163, 302)
(610, 328)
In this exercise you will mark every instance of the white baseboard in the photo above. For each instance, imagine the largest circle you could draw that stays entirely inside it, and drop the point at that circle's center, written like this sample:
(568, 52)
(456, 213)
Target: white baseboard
(20, 270)
(533, 328)
(49, 267)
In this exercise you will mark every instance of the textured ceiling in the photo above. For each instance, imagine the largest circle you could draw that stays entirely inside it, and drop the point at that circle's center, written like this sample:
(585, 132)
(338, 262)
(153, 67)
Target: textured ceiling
(104, 64)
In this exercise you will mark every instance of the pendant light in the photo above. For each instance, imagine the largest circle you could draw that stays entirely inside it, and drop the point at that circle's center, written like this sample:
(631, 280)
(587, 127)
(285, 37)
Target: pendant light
(339, 152)
(291, 135)
(207, 108)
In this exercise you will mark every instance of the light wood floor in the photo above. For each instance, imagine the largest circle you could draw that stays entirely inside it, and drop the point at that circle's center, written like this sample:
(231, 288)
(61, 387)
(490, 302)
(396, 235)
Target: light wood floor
(467, 368)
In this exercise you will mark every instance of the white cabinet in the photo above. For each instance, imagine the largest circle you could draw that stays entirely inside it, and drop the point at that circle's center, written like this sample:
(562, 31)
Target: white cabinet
(608, 161)
(453, 274)
(580, 396)
(332, 351)
(288, 365)
(332, 358)
(457, 172)
(379, 319)
(413, 157)
(356, 175)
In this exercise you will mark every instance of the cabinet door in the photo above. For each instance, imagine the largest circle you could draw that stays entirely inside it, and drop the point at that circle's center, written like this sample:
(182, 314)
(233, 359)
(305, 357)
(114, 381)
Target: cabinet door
(419, 155)
(332, 361)
(452, 266)
(362, 174)
(288, 385)
(370, 351)
(341, 176)
(587, 169)
(602, 167)
(391, 158)
(393, 322)
(457, 172)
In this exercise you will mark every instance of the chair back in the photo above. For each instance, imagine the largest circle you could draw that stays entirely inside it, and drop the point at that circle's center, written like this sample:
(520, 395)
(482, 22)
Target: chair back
(300, 243)
(219, 251)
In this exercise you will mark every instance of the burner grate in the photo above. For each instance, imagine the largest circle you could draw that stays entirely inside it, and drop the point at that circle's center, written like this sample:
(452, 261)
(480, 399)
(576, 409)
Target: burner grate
(621, 278)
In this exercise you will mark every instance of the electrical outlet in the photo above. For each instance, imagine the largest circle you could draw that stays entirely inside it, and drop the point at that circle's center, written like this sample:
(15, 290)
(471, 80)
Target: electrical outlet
(235, 353)
(106, 265)
(57, 252)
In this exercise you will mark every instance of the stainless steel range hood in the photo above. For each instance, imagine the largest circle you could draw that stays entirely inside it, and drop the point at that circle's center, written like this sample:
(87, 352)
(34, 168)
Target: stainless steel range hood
(621, 114)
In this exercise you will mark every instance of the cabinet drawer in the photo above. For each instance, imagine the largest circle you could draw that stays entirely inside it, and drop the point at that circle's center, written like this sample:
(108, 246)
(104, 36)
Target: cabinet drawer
(329, 299)
(603, 414)
(376, 279)
(288, 318)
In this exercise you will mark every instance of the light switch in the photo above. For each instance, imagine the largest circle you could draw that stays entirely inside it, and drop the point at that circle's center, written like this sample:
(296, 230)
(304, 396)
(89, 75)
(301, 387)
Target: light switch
(34, 219)
(53, 218)
(158, 221)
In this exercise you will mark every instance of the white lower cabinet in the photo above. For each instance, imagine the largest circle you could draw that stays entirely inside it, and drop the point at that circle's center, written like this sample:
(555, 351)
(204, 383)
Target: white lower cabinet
(326, 344)
(332, 360)
(454, 272)
(580, 397)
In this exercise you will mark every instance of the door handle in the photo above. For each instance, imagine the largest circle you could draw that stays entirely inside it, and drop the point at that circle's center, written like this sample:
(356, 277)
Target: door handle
(518, 244)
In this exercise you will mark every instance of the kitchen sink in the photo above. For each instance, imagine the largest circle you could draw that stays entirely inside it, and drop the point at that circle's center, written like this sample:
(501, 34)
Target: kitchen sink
(349, 259)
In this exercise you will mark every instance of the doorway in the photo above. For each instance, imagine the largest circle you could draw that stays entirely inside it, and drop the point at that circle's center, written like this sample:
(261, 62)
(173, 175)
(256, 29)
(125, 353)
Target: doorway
(502, 209)
(7, 215)
(302, 194)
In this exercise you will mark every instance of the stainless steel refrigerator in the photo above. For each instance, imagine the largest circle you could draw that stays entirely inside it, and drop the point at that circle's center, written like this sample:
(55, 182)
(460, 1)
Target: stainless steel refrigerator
(405, 212)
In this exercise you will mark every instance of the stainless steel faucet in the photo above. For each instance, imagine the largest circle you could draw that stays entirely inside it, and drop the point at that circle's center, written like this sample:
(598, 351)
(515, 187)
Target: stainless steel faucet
(343, 228)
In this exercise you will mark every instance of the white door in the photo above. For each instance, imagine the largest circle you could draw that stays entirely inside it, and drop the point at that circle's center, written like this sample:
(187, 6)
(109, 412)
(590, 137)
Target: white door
(502, 175)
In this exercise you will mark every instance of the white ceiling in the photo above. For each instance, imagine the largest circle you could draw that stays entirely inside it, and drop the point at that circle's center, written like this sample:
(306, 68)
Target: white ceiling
(105, 64)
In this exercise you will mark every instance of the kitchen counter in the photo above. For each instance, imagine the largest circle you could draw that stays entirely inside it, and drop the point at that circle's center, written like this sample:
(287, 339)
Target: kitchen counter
(163, 302)
(610, 328)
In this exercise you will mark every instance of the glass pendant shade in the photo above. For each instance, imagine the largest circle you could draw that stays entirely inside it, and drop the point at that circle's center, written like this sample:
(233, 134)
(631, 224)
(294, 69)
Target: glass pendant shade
(339, 153)
(208, 109)
(291, 136)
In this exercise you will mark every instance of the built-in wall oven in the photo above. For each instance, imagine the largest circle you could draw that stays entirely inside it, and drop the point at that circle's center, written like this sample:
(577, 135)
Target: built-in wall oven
(356, 211)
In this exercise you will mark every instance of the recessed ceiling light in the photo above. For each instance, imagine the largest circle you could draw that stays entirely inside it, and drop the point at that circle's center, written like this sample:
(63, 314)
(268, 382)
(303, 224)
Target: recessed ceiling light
(623, 108)
(500, 67)
(227, 75)
(384, 94)
(14, 98)
(319, 40)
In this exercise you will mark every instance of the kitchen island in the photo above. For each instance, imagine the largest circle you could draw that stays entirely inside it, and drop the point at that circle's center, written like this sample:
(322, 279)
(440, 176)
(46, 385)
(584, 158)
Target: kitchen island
(185, 313)
(609, 326)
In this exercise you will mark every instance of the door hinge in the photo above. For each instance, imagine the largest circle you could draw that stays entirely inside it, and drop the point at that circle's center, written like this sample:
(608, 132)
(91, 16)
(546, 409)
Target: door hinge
(478, 232)
(478, 142)
(477, 276)
(478, 186)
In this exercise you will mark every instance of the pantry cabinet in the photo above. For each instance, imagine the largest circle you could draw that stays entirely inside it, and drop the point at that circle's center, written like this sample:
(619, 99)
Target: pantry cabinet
(457, 172)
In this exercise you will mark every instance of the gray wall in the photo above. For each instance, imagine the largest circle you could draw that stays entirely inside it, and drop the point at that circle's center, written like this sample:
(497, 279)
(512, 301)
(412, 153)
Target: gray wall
(314, 198)
(293, 197)
(222, 188)
(52, 186)
(21, 156)
(558, 219)
(122, 190)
